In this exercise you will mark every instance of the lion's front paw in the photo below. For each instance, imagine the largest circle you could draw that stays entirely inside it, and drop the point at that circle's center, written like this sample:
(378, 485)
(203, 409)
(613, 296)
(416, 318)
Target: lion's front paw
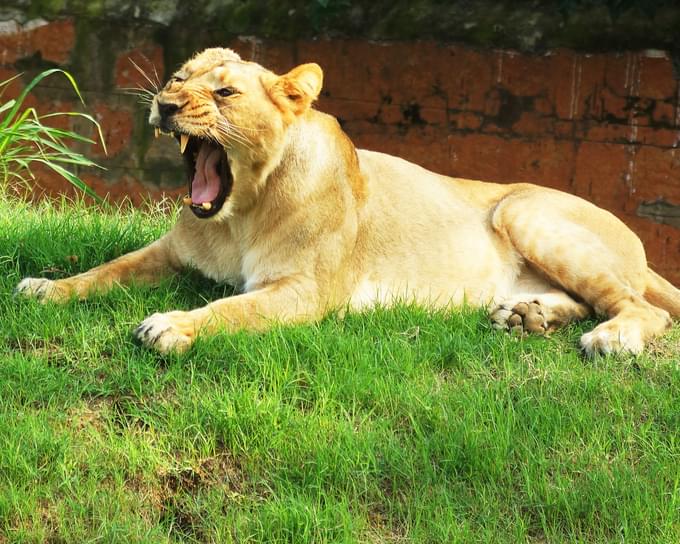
(40, 288)
(166, 333)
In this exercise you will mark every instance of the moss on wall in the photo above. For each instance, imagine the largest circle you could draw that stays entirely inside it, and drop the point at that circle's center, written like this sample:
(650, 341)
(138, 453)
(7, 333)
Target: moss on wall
(524, 25)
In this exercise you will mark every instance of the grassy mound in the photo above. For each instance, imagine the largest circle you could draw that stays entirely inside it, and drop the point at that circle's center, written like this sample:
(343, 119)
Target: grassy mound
(389, 426)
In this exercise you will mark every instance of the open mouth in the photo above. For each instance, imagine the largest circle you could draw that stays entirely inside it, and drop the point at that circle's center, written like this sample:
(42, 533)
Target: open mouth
(209, 176)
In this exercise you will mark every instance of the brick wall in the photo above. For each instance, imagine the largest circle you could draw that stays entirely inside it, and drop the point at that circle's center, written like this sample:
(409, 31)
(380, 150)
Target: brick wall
(604, 126)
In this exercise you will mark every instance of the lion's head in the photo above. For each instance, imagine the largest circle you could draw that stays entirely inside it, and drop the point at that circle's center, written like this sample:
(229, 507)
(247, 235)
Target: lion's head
(230, 117)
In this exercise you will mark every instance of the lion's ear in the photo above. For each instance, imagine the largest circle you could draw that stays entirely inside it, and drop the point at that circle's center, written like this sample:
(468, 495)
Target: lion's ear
(296, 90)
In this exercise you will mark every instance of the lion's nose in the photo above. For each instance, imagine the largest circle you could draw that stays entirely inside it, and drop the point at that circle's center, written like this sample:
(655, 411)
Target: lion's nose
(167, 110)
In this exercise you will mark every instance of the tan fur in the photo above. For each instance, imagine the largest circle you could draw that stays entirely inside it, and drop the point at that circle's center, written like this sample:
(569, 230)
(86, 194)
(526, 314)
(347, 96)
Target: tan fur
(312, 225)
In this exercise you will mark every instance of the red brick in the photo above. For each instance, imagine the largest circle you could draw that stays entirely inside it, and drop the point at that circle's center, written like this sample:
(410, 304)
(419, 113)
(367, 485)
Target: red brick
(608, 132)
(634, 85)
(622, 86)
(433, 116)
(567, 71)
(348, 110)
(373, 112)
(656, 77)
(657, 173)
(276, 55)
(390, 114)
(7, 73)
(623, 73)
(662, 137)
(546, 161)
(662, 245)
(600, 174)
(544, 106)
(411, 72)
(465, 121)
(467, 77)
(360, 127)
(149, 58)
(385, 73)
(610, 86)
(514, 115)
(626, 134)
(533, 124)
(425, 146)
(477, 156)
(532, 75)
(54, 41)
(590, 74)
(664, 112)
(345, 76)
(564, 129)
(116, 125)
(12, 45)
(553, 80)
(13, 89)
(492, 102)
(614, 106)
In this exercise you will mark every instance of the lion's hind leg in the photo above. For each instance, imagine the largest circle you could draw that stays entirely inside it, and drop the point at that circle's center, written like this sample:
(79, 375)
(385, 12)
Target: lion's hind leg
(588, 252)
(538, 313)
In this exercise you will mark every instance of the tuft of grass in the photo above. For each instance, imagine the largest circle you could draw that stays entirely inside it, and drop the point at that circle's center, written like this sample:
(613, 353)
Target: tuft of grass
(399, 425)
(25, 139)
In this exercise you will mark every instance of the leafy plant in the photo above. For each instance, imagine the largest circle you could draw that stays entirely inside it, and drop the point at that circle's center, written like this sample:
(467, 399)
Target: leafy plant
(25, 139)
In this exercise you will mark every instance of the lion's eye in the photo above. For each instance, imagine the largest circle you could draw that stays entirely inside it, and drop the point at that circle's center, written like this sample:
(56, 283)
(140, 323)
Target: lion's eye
(173, 80)
(226, 91)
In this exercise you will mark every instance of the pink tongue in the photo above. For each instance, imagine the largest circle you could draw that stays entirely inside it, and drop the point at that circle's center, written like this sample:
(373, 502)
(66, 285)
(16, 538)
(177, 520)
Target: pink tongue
(206, 183)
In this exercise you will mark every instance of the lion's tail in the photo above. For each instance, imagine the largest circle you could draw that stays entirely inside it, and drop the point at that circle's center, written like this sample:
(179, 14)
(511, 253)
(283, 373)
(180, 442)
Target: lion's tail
(662, 293)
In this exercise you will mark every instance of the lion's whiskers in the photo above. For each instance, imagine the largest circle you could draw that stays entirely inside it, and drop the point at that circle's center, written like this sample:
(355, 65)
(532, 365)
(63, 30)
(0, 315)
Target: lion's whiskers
(145, 96)
(230, 132)
(234, 137)
(155, 86)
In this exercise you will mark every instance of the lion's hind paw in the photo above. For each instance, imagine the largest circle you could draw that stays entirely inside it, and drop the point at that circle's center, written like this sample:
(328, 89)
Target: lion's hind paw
(520, 317)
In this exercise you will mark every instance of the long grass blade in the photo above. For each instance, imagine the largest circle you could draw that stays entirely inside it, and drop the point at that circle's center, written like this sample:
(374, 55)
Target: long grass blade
(72, 178)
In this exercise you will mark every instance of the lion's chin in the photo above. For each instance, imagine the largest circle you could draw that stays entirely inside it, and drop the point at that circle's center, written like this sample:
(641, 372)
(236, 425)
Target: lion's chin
(209, 176)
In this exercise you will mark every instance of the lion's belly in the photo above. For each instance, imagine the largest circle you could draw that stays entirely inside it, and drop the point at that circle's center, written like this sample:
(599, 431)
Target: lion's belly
(460, 267)
(422, 241)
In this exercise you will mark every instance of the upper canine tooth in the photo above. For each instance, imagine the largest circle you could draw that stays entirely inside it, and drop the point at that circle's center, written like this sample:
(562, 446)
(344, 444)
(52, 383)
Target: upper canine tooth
(157, 132)
(183, 141)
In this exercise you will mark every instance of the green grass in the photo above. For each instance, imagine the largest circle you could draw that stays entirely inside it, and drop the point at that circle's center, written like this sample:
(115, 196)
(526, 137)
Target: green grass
(390, 426)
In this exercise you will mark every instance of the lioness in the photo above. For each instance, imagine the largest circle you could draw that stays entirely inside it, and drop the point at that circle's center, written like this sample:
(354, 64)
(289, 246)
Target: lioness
(284, 207)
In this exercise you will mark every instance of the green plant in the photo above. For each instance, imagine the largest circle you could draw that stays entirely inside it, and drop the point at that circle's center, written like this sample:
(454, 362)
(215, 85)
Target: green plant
(25, 139)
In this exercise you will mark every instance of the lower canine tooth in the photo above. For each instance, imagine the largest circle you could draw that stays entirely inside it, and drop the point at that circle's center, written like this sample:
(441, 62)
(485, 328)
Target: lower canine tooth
(206, 206)
(187, 200)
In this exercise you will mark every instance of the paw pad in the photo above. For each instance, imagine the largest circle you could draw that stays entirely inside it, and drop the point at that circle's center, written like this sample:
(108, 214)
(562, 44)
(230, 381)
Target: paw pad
(523, 317)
